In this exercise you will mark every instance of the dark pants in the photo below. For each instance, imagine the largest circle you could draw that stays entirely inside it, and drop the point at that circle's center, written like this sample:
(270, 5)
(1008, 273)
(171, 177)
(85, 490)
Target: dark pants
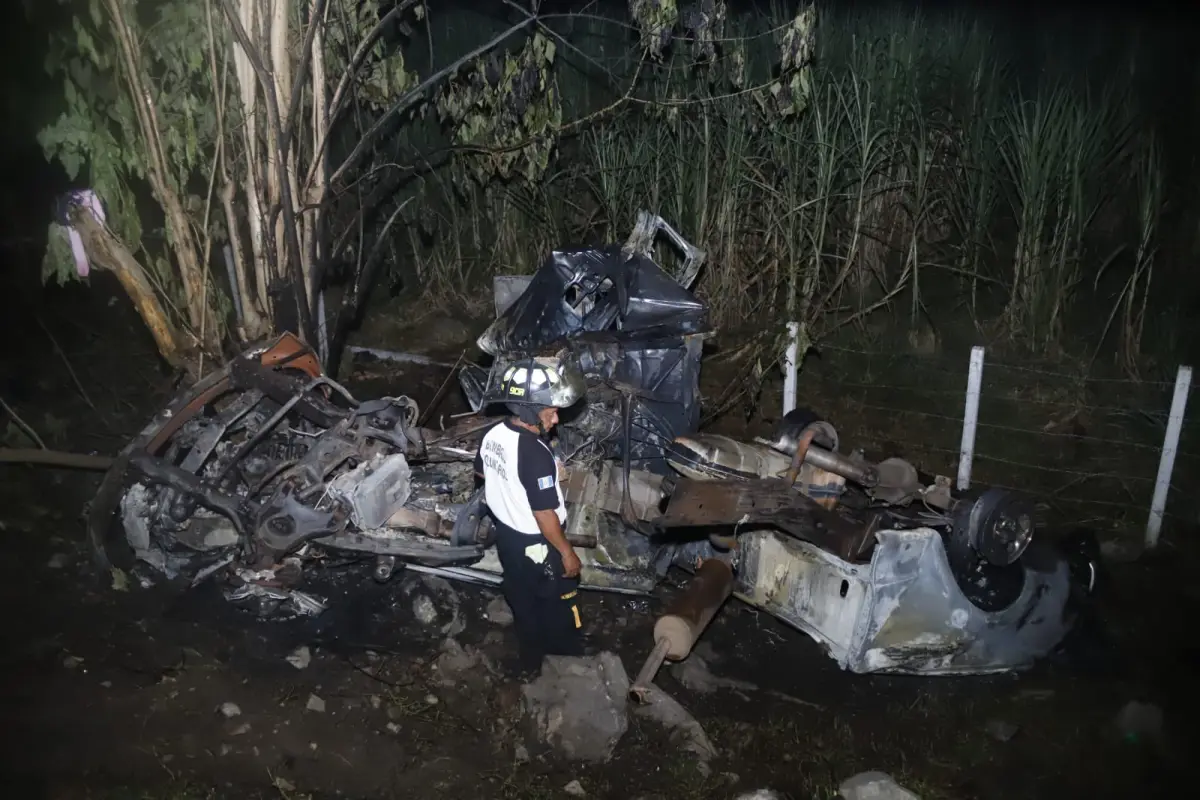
(544, 603)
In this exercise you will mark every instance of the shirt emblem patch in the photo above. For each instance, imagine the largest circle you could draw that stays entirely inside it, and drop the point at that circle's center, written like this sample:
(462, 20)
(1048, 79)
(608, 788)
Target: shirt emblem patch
(546, 482)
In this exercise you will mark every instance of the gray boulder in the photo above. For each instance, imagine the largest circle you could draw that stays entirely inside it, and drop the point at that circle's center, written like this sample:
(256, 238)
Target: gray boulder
(578, 705)
(874, 786)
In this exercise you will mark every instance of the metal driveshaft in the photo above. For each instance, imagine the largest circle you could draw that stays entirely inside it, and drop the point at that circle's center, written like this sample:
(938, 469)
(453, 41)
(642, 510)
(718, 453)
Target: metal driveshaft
(676, 631)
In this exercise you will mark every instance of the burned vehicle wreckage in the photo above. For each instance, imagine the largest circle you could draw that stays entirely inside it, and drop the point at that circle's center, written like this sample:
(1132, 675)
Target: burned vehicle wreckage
(255, 474)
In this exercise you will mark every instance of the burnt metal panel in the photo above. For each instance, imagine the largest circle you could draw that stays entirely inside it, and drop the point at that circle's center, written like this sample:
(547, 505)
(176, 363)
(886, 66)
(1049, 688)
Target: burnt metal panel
(903, 611)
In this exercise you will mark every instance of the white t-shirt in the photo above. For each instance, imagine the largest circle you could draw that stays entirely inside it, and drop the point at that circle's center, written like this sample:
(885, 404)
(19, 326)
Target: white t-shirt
(520, 476)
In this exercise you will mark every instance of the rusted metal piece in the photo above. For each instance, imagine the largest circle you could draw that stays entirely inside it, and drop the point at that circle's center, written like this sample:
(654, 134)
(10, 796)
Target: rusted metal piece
(864, 475)
(770, 502)
(676, 631)
(709, 456)
(288, 351)
(640, 687)
(689, 613)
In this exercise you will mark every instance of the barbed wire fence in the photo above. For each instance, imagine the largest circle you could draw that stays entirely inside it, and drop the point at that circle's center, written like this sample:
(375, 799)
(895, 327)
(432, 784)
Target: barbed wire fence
(1105, 452)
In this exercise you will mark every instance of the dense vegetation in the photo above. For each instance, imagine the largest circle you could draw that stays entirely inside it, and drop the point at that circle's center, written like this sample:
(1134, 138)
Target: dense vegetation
(1018, 177)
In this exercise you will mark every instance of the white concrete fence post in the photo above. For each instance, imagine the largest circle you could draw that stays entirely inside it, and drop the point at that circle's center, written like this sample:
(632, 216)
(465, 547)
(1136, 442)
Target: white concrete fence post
(1166, 462)
(966, 451)
(790, 364)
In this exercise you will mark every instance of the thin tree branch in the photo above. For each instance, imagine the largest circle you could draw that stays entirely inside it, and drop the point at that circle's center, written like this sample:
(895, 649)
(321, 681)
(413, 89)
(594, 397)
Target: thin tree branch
(250, 320)
(410, 97)
(24, 426)
(336, 104)
(54, 458)
(301, 69)
(67, 363)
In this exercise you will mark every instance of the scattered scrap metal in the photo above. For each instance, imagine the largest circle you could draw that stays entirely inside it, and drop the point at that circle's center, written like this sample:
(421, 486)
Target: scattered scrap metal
(255, 473)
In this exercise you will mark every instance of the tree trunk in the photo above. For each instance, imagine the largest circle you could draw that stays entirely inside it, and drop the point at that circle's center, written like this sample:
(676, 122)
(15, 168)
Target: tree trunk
(279, 181)
(248, 17)
(316, 193)
(200, 312)
(279, 65)
(255, 327)
(108, 252)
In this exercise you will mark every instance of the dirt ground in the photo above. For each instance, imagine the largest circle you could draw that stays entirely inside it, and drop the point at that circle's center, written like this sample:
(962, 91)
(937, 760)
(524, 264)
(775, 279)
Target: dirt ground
(119, 692)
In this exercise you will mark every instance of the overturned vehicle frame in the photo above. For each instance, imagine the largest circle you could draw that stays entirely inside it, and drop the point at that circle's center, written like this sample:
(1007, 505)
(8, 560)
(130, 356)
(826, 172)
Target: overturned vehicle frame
(253, 475)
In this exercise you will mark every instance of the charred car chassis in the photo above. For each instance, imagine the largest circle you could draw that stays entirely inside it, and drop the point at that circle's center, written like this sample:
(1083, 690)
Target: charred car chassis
(250, 476)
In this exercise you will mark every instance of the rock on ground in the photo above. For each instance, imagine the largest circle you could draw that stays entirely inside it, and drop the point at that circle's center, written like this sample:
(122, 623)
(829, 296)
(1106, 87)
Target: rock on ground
(448, 598)
(434, 600)
(874, 786)
(424, 610)
(458, 662)
(578, 705)
(300, 658)
(498, 611)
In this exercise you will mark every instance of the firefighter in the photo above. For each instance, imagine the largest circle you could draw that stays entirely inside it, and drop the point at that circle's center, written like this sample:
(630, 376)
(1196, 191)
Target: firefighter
(521, 490)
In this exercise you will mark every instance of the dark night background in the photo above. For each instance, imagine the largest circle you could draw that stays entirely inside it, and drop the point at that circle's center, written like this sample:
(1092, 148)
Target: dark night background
(135, 718)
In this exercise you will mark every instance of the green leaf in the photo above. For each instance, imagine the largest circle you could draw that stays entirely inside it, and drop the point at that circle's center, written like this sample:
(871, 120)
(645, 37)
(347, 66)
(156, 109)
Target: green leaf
(120, 581)
(71, 162)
